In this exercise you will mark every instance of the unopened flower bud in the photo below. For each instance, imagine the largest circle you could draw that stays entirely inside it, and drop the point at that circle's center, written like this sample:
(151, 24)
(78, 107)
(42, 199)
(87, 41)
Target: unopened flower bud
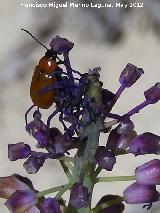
(39, 131)
(148, 173)
(79, 196)
(105, 158)
(50, 205)
(108, 99)
(153, 94)
(146, 143)
(125, 127)
(61, 45)
(21, 201)
(138, 193)
(119, 142)
(130, 75)
(33, 164)
(18, 151)
(116, 208)
(8, 185)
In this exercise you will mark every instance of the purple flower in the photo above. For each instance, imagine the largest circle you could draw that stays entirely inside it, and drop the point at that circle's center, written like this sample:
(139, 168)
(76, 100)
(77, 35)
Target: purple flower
(59, 144)
(20, 194)
(39, 131)
(18, 151)
(79, 196)
(105, 158)
(130, 75)
(138, 193)
(108, 99)
(146, 143)
(61, 45)
(125, 127)
(34, 209)
(21, 201)
(148, 173)
(116, 208)
(50, 205)
(119, 142)
(153, 94)
(33, 164)
(8, 185)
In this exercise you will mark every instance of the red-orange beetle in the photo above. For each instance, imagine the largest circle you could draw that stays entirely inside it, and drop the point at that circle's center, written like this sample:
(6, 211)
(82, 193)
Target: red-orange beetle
(41, 79)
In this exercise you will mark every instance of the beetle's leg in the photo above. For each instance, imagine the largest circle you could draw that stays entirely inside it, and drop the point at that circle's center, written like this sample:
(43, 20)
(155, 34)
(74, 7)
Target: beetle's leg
(77, 72)
(61, 120)
(37, 115)
(54, 86)
(27, 112)
(50, 118)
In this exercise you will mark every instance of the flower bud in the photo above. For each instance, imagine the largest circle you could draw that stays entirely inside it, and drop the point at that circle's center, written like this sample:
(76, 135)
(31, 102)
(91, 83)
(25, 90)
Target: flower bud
(39, 131)
(148, 173)
(125, 127)
(61, 45)
(21, 201)
(18, 151)
(105, 158)
(108, 99)
(33, 164)
(153, 94)
(137, 193)
(79, 196)
(146, 143)
(50, 205)
(118, 142)
(34, 209)
(8, 185)
(130, 75)
(116, 208)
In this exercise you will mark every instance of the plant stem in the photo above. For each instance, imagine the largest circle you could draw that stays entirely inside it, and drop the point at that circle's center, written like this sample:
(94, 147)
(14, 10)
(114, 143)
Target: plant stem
(52, 190)
(115, 178)
(63, 190)
(66, 158)
(66, 168)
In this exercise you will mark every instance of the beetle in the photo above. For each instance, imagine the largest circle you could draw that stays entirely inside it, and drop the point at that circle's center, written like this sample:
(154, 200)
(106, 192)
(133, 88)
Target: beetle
(43, 77)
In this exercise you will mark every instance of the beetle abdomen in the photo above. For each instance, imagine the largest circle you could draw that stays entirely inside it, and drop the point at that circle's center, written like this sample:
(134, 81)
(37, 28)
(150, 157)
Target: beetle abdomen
(39, 82)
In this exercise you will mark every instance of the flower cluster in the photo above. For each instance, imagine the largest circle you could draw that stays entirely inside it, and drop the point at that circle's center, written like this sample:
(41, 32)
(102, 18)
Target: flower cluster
(83, 105)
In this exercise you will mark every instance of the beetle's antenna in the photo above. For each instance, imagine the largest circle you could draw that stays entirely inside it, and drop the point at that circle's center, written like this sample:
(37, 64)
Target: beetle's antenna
(35, 38)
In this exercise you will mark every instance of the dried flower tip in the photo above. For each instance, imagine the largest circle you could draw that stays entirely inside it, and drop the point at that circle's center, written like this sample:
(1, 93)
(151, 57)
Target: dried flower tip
(18, 151)
(130, 75)
(61, 45)
(153, 94)
(33, 164)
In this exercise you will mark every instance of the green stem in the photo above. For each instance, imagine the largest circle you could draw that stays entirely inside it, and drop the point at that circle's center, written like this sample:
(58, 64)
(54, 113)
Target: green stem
(51, 190)
(115, 178)
(97, 171)
(66, 168)
(66, 158)
(63, 190)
